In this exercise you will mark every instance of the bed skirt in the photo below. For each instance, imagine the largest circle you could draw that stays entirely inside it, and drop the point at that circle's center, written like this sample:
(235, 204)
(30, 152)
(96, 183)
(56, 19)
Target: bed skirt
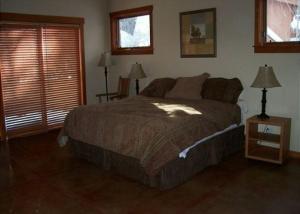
(175, 172)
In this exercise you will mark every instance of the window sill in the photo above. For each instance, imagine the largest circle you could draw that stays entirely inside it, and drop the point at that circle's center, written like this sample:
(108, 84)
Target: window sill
(132, 51)
(278, 48)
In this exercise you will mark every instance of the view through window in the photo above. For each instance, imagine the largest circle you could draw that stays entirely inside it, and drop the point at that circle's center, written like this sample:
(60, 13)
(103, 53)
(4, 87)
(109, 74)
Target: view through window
(283, 21)
(135, 32)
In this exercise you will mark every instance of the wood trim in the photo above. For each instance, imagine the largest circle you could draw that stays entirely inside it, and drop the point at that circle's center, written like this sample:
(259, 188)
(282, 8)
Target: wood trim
(114, 26)
(261, 46)
(3, 135)
(259, 22)
(16, 17)
(286, 47)
(82, 64)
(294, 155)
(42, 78)
(139, 11)
(132, 51)
(31, 133)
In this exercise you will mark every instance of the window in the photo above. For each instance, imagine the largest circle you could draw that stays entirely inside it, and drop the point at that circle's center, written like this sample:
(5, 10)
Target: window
(131, 31)
(41, 75)
(277, 26)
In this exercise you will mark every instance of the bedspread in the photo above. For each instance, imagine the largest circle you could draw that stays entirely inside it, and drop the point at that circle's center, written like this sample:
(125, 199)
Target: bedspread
(152, 130)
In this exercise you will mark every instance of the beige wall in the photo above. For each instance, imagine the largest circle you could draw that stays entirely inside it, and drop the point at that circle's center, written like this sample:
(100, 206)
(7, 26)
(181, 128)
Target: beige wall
(96, 22)
(235, 21)
(236, 58)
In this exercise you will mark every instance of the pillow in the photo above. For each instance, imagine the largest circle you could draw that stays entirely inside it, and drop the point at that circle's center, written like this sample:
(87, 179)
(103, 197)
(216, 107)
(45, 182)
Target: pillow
(158, 87)
(221, 89)
(188, 87)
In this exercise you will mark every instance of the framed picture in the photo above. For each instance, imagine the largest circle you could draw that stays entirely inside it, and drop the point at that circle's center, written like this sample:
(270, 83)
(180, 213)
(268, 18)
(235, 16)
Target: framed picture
(198, 33)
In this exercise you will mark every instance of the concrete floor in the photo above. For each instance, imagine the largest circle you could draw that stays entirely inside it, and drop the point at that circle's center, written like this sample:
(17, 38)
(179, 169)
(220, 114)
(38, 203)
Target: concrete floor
(41, 177)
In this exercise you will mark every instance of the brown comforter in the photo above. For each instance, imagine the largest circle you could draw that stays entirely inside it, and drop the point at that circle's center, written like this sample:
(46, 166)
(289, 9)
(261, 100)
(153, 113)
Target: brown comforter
(152, 130)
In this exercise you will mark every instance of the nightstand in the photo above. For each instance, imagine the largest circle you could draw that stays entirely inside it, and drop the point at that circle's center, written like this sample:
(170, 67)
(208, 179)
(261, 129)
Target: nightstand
(265, 146)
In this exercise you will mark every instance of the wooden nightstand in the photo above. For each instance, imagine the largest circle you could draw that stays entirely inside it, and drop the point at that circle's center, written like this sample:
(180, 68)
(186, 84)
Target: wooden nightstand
(258, 142)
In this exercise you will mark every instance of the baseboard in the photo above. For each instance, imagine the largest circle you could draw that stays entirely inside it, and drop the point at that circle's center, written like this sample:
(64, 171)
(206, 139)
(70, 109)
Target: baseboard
(294, 155)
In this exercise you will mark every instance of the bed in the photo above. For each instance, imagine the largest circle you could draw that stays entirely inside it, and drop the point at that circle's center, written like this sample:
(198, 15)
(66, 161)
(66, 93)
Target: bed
(159, 141)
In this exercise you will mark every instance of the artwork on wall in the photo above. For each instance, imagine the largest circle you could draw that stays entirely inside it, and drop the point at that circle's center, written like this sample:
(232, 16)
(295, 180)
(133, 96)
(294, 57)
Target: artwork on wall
(198, 33)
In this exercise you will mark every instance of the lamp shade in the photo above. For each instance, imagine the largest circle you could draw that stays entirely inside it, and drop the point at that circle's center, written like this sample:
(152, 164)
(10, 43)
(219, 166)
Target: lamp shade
(137, 72)
(265, 78)
(105, 60)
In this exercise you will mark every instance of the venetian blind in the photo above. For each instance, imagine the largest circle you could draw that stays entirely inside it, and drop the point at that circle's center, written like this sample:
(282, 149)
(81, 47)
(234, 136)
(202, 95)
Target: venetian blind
(40, 76)
(61, 53)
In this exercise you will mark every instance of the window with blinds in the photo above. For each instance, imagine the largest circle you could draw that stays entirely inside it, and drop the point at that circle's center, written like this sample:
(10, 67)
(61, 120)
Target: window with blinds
(41, 76)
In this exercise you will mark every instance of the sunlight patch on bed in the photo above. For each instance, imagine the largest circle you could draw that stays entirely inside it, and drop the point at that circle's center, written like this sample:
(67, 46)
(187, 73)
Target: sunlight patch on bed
(172, 109)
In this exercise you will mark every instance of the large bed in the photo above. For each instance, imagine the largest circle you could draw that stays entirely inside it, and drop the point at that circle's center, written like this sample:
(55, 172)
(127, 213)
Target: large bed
(160, 142)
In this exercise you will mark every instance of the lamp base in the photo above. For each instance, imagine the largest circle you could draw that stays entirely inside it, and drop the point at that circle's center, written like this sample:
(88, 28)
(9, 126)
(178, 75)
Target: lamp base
(105, 73)
(137, 87)
(263, 116)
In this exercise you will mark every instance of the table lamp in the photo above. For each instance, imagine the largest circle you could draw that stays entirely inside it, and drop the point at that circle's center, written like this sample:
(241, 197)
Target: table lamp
(265, 79)
(137, 73)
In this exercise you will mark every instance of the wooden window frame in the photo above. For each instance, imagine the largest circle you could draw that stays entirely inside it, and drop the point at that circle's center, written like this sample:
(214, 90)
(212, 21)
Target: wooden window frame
(261, 46)
(114, 29)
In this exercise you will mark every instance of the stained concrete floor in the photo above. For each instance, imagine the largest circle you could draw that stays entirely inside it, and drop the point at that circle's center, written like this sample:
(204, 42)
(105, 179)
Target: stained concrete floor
(41, 177)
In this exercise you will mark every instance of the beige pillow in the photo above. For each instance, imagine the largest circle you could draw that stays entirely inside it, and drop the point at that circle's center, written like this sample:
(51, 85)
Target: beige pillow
(188, 87)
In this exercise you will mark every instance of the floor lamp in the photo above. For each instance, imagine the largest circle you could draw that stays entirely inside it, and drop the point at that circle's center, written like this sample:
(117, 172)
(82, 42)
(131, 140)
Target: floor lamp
(137, 73)
(105, 61)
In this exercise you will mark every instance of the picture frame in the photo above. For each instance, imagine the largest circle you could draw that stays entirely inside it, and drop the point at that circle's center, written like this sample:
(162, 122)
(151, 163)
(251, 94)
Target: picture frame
(198, 33)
